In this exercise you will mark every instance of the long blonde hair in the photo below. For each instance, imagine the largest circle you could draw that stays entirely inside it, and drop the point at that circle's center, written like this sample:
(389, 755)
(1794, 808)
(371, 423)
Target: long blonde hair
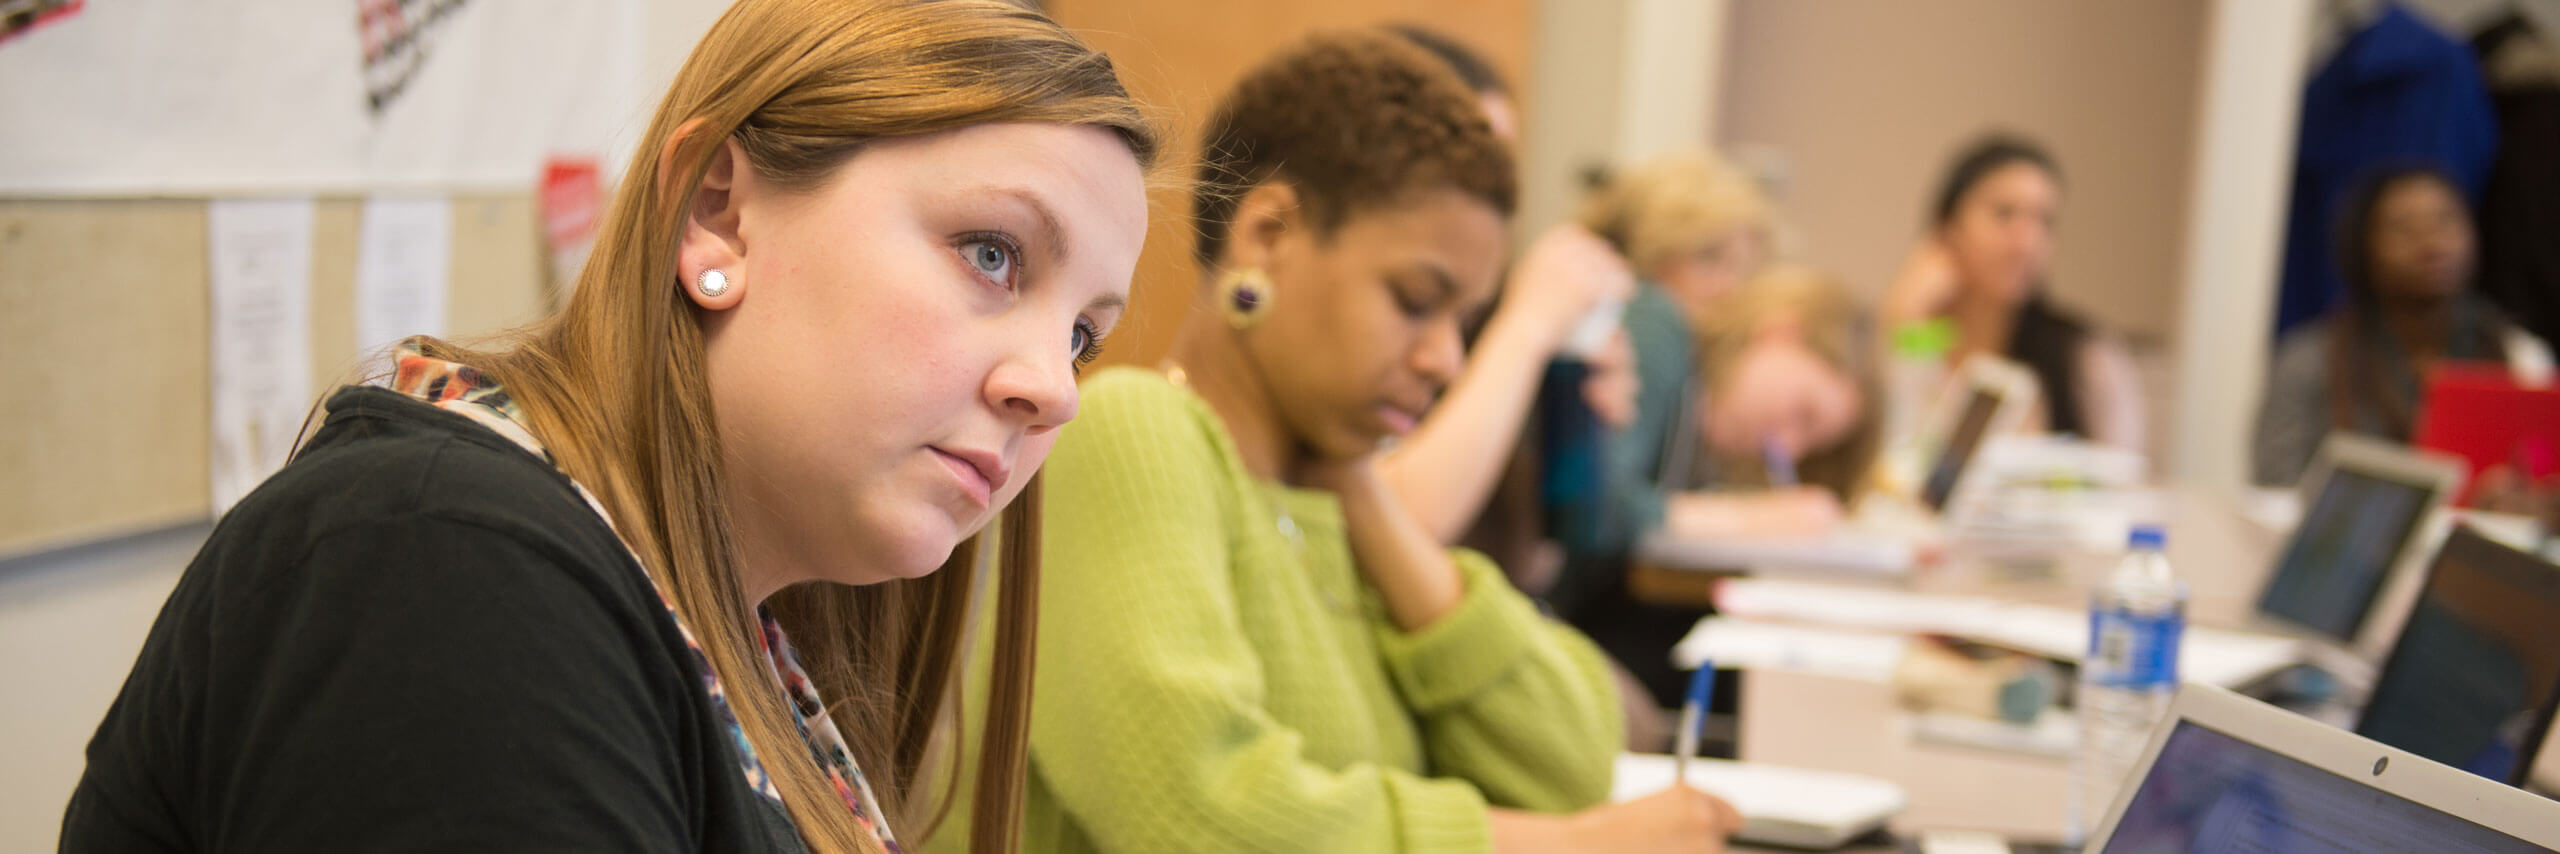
(616, 385)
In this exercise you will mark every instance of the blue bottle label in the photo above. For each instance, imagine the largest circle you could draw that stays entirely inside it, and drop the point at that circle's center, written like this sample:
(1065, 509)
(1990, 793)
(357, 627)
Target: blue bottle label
(2134, 650)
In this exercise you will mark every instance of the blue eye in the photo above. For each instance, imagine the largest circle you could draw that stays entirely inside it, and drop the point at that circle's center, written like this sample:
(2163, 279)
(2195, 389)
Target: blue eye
(1086, 342)
(991, 256)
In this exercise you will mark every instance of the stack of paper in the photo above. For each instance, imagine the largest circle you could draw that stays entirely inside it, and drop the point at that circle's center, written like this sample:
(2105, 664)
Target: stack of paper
(2213, 656)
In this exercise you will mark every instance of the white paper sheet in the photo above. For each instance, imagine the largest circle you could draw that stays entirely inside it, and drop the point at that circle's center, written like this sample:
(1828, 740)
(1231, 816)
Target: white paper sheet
(404, 259)
(1735, 643)
(261, 362)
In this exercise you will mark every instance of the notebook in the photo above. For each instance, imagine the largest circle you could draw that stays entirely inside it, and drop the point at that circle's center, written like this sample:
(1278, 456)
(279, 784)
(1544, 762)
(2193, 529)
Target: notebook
(1794, 807)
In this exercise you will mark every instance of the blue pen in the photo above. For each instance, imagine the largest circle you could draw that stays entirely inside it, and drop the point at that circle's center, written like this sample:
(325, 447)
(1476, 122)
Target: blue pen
(1693, 718)
(1780, 464)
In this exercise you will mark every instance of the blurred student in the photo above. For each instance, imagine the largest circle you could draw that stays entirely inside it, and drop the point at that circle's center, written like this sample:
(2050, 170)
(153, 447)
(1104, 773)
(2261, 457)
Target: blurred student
(1471, 473)
(2408, 248)
(1695, 227)
(1789, 376)
(1699, 231)
(548, 596)
(1982, 266)
(1257, 647)
(1448, 469)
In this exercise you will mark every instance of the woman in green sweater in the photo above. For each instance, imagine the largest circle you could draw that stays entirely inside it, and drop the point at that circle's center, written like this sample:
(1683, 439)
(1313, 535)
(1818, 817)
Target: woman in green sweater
(1249, 645)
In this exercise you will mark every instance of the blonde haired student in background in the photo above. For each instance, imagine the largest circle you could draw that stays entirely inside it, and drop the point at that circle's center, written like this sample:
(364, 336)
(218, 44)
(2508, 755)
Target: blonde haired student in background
(1718, 349)
(1253, 645)
(546, 596)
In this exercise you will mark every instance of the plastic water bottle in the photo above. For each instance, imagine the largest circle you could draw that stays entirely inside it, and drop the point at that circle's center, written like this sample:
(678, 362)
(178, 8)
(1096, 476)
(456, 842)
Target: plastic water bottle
(2136, 616)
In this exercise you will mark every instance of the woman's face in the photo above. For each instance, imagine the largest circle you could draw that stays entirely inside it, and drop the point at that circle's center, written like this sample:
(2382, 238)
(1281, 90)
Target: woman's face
(1699, 277)
(1364, 328)
(1780, 395)
(896, 350)
(2001, 234)
(2421, 242)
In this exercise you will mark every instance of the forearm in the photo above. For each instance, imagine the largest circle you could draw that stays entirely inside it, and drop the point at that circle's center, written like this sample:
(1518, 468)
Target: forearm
(1408, 567)
(1444, 471)
(1522, 706)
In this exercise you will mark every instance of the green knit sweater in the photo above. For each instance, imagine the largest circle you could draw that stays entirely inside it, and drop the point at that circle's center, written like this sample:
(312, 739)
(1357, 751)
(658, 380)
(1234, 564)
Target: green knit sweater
(1209, 682)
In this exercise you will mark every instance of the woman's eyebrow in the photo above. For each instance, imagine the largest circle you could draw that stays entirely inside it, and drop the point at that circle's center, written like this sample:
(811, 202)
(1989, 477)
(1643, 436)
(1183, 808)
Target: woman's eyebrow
(1050, 232)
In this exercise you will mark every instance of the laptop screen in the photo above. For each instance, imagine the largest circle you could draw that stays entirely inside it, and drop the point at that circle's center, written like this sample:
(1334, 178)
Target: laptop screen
(2473, 679)
(2349, 537)
(2208, 791)
(1979, 407)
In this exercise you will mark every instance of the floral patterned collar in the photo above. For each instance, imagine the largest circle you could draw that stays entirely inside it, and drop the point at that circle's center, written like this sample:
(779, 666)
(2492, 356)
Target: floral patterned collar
(462, 390)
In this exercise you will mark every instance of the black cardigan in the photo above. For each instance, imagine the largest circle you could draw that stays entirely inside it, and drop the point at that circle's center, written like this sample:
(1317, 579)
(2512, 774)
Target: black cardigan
(416, 636)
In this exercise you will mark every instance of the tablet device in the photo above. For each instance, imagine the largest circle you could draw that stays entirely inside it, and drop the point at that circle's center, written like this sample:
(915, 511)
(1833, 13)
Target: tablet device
(2479, 412)
(1992, 396)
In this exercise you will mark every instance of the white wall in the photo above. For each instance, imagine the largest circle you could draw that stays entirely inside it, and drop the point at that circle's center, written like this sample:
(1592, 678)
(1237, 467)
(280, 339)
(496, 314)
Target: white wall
(2244, 147)
(1616, 81)
(70, 624)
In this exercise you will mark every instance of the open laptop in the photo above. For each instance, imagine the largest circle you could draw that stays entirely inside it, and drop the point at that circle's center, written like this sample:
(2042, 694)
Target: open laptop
(2475, 677)
(2227, 773)
(2372, 511)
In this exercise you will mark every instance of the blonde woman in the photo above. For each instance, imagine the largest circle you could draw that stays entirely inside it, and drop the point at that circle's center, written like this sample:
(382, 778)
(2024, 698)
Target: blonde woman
(1268, 651)
(1788, 365)
(1697, 230)
(546, 595)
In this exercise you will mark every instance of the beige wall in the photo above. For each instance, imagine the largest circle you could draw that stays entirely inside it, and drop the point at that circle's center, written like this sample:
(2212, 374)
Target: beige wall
(1864, 101)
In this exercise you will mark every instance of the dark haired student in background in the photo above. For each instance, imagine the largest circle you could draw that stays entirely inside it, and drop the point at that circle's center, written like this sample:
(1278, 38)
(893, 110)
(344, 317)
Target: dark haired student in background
(1982, 266)
(2408, 247)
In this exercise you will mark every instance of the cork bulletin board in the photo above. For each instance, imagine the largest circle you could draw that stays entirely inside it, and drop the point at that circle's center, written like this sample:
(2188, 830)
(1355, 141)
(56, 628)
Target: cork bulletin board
(105, 416)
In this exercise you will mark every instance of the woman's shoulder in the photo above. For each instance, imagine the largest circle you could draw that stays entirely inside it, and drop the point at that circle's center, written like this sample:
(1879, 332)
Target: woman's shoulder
(383, 463)
(1129, 404)
(1122, 387)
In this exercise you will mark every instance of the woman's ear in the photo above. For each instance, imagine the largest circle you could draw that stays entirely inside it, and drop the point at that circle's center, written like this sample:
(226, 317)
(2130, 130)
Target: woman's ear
(709, 238)
(1266, 214)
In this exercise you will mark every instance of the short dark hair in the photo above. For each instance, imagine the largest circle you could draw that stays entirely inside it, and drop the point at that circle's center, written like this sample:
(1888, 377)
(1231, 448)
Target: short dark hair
(1354, 120)
(1471, 66)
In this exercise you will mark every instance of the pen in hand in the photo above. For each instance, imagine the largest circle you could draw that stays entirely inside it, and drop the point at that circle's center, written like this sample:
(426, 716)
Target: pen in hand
(1693, 717)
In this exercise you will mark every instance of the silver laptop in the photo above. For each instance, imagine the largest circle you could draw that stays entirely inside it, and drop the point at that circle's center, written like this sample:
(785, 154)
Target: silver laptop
(2227, 773)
